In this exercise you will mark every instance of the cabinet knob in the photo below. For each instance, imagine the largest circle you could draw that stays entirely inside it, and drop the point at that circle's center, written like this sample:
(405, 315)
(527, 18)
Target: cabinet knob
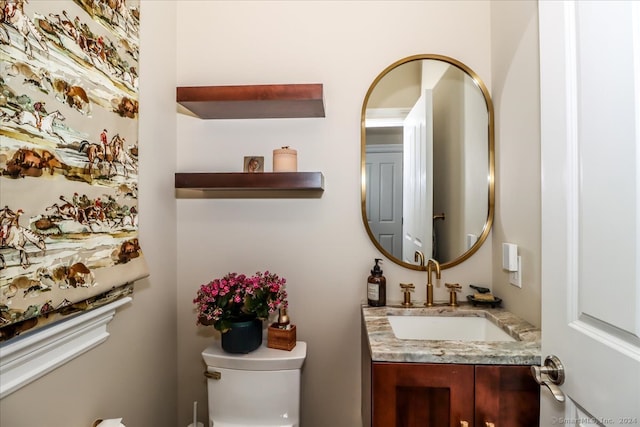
(464, 424)
(488, 424)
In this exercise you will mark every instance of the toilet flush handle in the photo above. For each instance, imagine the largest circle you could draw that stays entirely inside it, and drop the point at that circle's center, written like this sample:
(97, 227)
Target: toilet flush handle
(215, 375)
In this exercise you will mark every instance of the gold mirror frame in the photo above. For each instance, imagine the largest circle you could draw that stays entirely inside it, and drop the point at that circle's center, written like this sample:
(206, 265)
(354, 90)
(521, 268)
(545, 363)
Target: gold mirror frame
(491, 171)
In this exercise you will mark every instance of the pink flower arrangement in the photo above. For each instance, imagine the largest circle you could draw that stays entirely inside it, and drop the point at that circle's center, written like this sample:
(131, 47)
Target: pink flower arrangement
(238, 297)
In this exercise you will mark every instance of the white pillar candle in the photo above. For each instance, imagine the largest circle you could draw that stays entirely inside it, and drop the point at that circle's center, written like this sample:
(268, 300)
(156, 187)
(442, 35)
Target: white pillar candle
(285, 159)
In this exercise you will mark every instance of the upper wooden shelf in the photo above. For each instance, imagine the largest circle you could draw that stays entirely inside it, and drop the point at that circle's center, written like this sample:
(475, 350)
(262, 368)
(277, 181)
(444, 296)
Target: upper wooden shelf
(253, 101)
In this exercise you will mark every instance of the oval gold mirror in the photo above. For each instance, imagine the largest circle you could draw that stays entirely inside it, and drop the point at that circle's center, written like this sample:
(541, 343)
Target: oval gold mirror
(427, 161)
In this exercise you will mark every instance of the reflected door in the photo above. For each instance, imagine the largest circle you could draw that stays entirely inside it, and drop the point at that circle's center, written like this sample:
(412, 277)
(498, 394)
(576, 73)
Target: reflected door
(417, 208)
(384, 195)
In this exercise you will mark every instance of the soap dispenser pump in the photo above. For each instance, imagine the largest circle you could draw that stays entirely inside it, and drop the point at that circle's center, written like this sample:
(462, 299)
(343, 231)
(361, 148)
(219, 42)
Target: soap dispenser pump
(376, 286)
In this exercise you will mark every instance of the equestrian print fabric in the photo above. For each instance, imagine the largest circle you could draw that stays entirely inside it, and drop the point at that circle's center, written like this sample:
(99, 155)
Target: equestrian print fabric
(68, 158)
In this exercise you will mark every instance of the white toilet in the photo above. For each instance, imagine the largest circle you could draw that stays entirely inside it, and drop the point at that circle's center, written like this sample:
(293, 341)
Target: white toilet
(259, 389)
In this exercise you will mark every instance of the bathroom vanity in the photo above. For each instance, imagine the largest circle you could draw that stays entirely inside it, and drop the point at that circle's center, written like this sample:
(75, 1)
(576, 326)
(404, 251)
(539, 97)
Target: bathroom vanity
(437, 366)
(478, 380)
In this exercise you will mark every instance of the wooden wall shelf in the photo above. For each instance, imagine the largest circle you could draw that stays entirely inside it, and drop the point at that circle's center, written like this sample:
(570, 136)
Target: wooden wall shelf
(253, 101)
(253, 185)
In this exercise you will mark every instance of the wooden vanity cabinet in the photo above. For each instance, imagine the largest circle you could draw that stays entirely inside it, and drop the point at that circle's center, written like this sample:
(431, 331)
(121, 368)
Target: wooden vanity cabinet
(443, 395)
(507, 396)
(412, 394)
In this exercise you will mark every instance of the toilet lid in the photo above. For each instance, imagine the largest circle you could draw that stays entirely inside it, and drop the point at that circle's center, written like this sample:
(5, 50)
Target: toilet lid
(262, 359)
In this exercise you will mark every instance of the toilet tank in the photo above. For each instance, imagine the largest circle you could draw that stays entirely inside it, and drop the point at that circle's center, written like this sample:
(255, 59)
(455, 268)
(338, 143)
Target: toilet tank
(260, 389)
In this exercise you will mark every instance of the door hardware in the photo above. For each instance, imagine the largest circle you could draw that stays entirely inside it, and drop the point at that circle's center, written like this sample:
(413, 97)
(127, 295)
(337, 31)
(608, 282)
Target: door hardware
(550, 375)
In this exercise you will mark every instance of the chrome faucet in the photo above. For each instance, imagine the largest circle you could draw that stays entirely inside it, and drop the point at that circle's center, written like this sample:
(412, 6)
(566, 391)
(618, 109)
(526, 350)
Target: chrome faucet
(431, 265)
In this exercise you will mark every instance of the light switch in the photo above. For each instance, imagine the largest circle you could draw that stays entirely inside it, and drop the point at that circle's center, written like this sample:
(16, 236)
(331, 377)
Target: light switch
(510, 257)
(515, 277)
(471, 240)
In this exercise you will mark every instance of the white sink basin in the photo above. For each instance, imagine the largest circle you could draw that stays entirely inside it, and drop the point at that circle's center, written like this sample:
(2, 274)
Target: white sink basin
(446, 328)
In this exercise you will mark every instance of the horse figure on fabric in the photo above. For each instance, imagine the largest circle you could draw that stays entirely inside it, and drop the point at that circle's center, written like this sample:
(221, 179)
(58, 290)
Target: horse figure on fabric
(120, 155)
(14, 236)
(44, 124)
(13, 15)
(111, 153)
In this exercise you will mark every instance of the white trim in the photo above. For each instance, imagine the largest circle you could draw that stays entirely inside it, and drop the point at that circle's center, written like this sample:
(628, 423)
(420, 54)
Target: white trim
(385, 117)
(572, 162)
(25, 359)
(635, 16)
(384, 148)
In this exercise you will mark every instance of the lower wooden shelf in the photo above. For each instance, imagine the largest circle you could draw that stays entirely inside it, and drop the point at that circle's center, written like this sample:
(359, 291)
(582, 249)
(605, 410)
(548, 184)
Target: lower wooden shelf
(252, 185)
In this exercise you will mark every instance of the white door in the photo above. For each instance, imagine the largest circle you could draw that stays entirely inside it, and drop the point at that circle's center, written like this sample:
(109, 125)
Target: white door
(417, 183)
(590, 141)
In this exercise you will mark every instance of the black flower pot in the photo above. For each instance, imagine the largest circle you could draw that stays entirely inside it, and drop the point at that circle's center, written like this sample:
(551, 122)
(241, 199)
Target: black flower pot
(243, 337)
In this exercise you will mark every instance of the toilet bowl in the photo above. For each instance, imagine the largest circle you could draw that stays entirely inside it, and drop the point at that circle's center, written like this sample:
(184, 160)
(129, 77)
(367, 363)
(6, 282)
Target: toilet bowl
(258, 389)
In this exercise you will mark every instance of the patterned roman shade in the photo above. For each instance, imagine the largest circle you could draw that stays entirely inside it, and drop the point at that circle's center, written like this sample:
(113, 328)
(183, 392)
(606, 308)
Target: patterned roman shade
(68, 158)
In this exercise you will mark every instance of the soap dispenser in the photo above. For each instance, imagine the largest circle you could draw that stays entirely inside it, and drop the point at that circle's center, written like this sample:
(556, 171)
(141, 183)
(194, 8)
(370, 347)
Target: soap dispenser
(376, 286)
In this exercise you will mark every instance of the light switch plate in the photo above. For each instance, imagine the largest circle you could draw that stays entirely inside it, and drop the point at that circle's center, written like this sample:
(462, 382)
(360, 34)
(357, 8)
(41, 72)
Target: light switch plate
(515, 277)
(510, 256)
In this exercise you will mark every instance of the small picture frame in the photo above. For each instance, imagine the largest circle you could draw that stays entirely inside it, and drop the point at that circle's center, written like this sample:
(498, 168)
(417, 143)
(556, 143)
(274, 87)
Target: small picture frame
(253, 164)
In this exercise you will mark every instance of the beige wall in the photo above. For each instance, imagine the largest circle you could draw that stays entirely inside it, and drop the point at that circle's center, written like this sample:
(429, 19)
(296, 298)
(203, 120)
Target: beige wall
(319, 245)
(516, 93)
(133, 374)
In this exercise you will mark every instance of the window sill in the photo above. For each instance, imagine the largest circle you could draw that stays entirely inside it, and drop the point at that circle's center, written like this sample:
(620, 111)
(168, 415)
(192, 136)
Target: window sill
(25, 359)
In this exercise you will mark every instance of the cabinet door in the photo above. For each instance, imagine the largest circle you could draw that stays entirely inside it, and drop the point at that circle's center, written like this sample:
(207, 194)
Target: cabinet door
(506, 396)
(425, 395)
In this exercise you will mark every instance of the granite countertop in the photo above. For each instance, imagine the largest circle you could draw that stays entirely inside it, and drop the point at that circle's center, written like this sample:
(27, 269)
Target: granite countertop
(385, 347)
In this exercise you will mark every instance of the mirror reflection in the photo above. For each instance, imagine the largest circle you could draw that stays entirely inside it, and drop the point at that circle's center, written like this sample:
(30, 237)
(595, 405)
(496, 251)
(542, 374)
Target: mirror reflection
(427, 161)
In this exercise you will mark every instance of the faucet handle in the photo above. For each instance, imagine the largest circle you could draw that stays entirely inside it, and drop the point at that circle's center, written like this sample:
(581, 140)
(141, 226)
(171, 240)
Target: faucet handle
(453, 287)
(453, 297)
(407, 288)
